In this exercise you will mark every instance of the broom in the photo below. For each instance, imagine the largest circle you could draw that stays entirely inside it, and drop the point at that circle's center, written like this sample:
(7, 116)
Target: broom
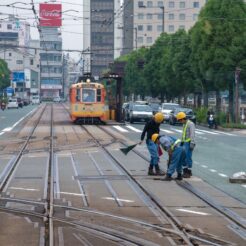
(128, 148)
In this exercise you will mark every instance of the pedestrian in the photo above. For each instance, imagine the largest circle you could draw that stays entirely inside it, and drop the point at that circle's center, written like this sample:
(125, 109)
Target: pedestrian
(176, 154)
(152, 127)
(188, 141)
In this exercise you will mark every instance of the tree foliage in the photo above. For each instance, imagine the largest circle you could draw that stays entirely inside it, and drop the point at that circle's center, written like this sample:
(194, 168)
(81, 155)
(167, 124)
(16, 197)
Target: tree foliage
(4, 74)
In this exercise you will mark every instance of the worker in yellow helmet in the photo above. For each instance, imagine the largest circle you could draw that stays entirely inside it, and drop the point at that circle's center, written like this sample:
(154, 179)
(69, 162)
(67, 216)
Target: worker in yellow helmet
(188, 141)
(176, 154)
(152, 127)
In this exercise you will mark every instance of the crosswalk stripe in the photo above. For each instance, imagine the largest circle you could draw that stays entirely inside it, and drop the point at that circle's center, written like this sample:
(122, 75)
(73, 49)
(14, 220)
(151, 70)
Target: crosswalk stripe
(120, 129)
(211, 132)
(223, 175)
(167, 131)
(225, 133)
(176, 130)
(133, 128)
(244, 186)
(199, 133)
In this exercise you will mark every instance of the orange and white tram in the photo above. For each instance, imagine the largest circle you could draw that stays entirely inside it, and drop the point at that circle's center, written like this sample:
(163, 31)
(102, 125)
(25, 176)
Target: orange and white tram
(87, 102)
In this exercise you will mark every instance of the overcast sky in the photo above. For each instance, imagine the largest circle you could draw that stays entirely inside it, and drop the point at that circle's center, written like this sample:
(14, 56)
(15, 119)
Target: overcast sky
(71, 26)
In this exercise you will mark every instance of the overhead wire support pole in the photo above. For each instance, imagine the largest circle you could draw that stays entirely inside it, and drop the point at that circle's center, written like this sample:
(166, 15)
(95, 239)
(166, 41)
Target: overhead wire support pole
(136, 37)
(163, 18)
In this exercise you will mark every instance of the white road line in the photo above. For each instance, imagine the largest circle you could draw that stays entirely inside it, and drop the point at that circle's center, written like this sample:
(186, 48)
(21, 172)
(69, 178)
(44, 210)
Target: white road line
(167, 131)
(225, 133)
(1, 133)
(176, 130)
(244, 186)
(199, 133)
(204, 166)
(46, 179)
(133, 128)
(213, 170)
(8, 129)
(209, 132)
(222, 175)
(191, 211)
(120, 129)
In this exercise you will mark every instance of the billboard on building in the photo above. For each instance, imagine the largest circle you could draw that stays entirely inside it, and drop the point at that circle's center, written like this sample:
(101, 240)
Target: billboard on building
(50, 14)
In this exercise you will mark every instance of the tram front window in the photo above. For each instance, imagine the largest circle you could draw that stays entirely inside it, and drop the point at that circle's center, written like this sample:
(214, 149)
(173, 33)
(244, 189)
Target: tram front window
(88, 95)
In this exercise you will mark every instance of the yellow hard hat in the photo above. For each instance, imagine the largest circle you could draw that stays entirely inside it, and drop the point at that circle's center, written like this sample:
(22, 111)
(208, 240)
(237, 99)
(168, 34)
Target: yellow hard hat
(159, 117)
(154, 137)
(181, 116)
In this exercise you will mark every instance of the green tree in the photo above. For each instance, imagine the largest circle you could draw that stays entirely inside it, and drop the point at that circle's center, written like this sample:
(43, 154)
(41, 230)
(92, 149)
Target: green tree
(4, 74)
(218, 45)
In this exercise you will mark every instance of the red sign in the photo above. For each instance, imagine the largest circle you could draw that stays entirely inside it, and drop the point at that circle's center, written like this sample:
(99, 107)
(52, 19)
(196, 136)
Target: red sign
(50, 14)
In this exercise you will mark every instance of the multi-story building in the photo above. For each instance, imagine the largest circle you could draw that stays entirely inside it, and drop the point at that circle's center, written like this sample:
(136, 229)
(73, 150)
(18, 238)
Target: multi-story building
(50, 62)
(22, 62)
(145, 20)
(101, 36)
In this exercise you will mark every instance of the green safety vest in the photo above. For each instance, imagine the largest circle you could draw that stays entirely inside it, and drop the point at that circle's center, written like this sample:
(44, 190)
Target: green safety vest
(184, 139)
(175, 144)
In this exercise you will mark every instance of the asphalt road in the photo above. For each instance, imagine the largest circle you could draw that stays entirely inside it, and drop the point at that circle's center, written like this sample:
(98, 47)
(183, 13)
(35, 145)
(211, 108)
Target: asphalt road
(217, 156)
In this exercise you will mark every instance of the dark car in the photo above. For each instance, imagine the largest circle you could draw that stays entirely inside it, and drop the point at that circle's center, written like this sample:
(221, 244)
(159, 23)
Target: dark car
(20, 102)
(26, 101)
(189, 114)
(156, 107)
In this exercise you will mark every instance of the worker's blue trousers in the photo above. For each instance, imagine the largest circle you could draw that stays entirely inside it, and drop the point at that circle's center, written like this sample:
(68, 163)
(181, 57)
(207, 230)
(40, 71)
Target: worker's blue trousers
(177, 160)
(153, 150)
(188, 152)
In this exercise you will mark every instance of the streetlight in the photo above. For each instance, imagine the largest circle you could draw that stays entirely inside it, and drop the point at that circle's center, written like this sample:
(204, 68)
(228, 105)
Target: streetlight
(237, 74)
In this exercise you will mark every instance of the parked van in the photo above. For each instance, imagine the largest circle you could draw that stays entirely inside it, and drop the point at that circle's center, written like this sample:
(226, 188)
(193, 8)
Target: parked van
(36, 99)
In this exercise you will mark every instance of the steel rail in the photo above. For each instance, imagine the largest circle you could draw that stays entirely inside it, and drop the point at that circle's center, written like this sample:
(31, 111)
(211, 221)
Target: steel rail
(167, 214)
(19, 155)
(165, 210)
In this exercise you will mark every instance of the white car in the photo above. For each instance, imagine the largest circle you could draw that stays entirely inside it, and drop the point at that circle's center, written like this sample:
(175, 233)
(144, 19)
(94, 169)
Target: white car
(57, 99)
(35, 99)
(167, 108)
(12, 103)
(139, 112)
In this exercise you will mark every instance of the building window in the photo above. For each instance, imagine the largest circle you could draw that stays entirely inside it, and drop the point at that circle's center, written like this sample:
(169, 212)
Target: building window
(149, 28)
(140, 40)
(171, 5)
(171, 28)
(140, 27)
(149, 4)
(160, 4)
(149, 40)
(195, 17)
(182, 5)
(19, 62)
(182, 16)
(171, 16)
(31, 61)
(9, 27)
(140, 16)
(10, 54)
(181, 27)
(195, 4)
(159, 28)
(149, 16)
(159, 16)
(140, 4)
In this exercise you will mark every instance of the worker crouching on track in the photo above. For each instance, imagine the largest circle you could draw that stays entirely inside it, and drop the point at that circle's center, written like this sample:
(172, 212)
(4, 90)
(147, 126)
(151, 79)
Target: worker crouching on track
(152, 127)
(188, 141)
(176, 154)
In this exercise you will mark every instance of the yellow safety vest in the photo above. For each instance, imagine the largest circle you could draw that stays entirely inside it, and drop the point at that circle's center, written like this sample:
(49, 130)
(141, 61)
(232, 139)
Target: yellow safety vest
(184, 139)
(175, 144)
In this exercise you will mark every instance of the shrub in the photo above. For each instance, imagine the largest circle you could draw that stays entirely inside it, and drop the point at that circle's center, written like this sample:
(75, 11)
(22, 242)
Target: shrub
(234, 125)
(201, 115)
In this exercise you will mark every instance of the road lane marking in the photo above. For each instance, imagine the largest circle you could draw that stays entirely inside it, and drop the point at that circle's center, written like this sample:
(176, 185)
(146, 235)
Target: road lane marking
(209, 132)
(191, 211)
(118, 199)
(20, 188)
(225, 133)
(120, 129)
(199, 133)
(167, 131)
(176, 130)
(1, 133)
(8, 129)
(204, 166)
(213, 170)
(133, 128)
(244, 186)
(222, 175)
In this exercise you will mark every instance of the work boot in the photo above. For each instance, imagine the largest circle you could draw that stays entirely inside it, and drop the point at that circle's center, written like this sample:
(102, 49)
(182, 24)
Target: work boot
(151, 172)
(186, 173)
(168, 177)
(158, 171)
(179, 177)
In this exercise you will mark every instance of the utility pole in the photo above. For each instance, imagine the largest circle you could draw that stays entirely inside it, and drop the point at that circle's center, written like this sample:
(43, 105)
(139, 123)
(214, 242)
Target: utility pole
(136, 37)
(237, 74)
(163, 18)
